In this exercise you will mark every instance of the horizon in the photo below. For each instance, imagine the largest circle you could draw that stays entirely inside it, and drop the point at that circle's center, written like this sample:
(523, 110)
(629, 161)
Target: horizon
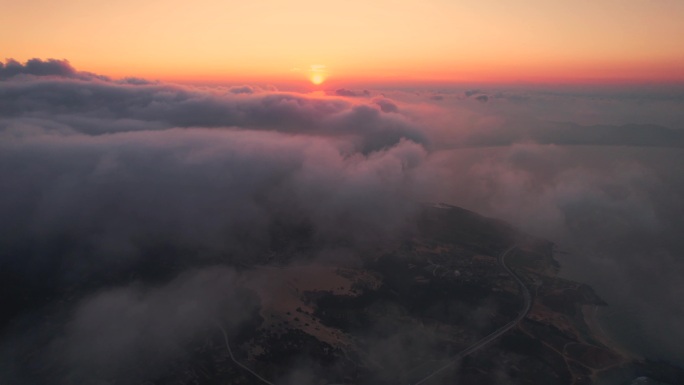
(531, 42)
(330, 84)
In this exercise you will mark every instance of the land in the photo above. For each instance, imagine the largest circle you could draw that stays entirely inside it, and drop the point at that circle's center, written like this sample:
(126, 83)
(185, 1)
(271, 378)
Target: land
(438, 307)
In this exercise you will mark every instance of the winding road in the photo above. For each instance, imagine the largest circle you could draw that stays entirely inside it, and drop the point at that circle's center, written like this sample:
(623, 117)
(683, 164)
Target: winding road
(495, 334)
(232, 357)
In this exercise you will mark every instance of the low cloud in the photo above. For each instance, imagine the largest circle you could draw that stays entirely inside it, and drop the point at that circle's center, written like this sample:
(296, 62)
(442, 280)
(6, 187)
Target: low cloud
(615, 210)
(350, 93)
(129, 199)
(133, 333)
(386, 105)
(37, 67)
(241, 90)
(572, 134)
(98, 107)
(211, 193)
(99, 211)
(119, 194)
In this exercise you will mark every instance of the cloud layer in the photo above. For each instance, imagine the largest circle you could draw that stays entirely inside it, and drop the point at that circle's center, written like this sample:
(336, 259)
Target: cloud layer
(130, 198)
(127, 200)
(100, 106)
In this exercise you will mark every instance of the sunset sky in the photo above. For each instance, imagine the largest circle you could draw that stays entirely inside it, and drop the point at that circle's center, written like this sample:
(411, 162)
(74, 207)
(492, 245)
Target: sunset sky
(162, 161)
(355, 41)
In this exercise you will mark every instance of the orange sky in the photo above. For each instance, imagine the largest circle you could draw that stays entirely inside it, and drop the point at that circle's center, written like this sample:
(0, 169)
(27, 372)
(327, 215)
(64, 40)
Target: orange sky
(380, 40)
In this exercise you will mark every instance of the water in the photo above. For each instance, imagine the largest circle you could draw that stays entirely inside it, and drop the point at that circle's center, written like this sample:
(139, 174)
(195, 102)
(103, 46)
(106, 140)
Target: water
(629, 322)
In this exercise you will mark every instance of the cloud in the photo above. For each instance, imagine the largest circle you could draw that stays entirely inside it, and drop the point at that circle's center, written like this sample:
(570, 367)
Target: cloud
(350, 93)
(125, 202)
(211, 193)
(482, 98)
(121, 193)
(572, 134)
(134, 333)
(615, 210)
(77, 103)
(386, 105)
(136, 81)
(86, 214)
(523, 116)
(241, 90)
(112, 332)
(38, 67)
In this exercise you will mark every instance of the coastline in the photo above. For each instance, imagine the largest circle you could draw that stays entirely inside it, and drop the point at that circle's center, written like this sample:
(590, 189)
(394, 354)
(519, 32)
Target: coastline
(599, 333)
(590, 311)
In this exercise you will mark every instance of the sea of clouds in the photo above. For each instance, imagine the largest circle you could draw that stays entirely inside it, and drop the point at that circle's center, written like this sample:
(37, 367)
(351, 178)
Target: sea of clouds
(143, 196)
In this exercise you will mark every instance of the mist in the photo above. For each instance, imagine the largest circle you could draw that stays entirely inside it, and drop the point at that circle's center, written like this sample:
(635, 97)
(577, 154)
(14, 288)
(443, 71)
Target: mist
(134, 203)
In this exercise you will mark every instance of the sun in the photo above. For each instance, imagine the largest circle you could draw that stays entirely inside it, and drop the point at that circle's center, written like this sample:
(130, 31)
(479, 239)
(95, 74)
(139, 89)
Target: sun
(317, 74)
(317, 78)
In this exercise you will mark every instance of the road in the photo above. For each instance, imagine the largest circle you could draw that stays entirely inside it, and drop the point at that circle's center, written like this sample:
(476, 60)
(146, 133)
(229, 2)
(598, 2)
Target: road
(495, 334)
(232, 357)
(454, 360)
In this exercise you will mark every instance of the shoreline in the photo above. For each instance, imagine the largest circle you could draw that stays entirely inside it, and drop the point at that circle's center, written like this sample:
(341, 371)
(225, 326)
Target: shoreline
(599, 333)
(590, 312)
